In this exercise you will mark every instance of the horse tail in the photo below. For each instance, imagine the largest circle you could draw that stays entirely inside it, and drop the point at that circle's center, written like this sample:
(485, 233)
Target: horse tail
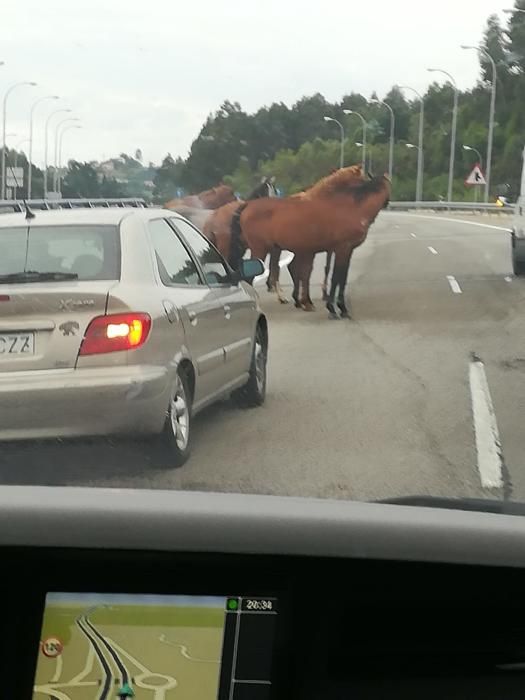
(237, 246)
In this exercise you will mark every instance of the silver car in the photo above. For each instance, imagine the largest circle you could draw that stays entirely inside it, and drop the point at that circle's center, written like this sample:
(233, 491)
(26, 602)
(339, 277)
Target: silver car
(122, 321)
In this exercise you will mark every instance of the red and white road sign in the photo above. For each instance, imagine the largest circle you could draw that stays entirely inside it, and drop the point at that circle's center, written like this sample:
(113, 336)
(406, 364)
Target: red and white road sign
(52, 647)
(476, 176)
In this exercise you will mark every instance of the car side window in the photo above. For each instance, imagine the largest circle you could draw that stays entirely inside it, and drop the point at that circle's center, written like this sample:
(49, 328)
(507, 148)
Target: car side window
(213, 265)
(173, 260)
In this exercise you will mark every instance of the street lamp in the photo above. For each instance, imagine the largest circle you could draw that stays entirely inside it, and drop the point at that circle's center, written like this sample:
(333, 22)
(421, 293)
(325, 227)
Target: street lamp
(419, 185)
(363, 121)
(491, 115)
(454, 129)
(30, 154)
(46, 141)
(9, 91)
(342, 154)
(512, 10)
(392, 129)
(63, 121)
(67, 128)
(471, 148)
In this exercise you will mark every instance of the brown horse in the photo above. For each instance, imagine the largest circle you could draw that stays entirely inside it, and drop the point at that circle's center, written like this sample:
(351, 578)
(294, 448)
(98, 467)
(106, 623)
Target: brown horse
(217, 227)
(353, 172)
(209, 199)
(335, 216)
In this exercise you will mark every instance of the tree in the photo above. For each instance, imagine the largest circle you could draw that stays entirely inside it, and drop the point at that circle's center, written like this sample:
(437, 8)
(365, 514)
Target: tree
(81, 180)
(515, 43)
(168, 178)
(494, 44)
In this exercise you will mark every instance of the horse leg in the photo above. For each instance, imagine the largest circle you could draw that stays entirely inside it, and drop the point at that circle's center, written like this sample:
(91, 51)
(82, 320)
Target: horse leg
(294, 274)
(273, 277)
(274, 262)
(327, 266)
(306, 271)
(345, 313)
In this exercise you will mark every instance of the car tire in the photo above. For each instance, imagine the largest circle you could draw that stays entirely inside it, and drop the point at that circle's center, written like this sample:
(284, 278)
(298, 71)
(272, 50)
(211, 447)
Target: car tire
(253, 393)
(175, 439)
(518, 257)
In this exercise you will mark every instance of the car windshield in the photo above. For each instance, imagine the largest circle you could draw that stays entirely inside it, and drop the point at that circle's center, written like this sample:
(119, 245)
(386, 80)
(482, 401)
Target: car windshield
(368, 157)
(32, 252)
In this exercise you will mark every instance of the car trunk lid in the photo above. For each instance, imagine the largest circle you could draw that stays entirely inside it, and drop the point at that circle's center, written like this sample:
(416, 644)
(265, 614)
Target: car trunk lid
(42, 324)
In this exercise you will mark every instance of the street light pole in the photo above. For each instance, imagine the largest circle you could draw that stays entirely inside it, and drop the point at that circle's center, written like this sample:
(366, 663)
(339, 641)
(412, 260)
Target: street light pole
(46, 143)
(342, 153)
(63, 121)
(419, 186)
(4, 120)
(363, 121)
(392, 132)
(453, 133)
(30, 154)
(67, 128)
(491, 116)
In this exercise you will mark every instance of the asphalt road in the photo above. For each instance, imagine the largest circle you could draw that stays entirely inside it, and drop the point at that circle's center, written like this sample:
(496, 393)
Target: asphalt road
(374, 407)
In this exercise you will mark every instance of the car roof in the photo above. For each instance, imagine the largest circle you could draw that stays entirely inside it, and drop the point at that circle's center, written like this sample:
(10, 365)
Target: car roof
(109, 216)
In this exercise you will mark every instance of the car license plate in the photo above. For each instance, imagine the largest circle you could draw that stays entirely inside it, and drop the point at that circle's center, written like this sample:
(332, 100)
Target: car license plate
(16, 344)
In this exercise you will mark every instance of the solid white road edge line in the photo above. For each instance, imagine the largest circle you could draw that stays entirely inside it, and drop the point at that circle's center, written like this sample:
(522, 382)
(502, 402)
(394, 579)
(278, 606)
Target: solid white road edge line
(454, 284)
(282, 263)
(458, 221)
(488, 444)
(432, 250)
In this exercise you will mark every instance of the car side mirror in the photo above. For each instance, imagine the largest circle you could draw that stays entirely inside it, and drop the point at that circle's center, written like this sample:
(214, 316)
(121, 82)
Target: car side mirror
(250, 268)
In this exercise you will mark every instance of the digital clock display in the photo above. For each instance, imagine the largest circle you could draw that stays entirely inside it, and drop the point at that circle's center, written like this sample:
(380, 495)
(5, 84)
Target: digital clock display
(258, 604)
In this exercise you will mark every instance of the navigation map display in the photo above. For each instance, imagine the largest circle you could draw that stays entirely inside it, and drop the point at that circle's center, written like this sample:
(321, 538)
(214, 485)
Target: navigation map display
(123, 646)
(97, 646)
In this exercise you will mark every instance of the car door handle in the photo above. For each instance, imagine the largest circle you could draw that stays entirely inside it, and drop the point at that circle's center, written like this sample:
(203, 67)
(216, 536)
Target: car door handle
(171, 311)
(193, 318)
(227, 311)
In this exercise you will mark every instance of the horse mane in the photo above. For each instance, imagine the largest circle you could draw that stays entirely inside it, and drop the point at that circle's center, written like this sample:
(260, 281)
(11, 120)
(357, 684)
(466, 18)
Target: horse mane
(336, 182)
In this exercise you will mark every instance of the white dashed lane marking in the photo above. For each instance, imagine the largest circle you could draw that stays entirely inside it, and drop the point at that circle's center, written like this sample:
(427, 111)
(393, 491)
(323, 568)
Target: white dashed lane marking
(454, 284)
(432, 250)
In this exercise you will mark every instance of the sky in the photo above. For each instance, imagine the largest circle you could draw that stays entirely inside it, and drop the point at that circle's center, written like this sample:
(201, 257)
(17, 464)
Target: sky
(146, 74)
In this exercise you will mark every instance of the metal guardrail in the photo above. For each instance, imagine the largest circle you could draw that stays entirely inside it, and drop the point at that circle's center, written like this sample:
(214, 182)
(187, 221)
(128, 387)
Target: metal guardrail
(453, 206)
(18, 205)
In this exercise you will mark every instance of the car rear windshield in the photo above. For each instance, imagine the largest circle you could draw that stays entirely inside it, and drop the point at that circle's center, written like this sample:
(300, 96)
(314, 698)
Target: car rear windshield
(88, 252)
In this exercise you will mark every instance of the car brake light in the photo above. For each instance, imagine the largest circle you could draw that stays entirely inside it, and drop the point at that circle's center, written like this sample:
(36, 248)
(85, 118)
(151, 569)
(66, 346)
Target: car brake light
(115, 332)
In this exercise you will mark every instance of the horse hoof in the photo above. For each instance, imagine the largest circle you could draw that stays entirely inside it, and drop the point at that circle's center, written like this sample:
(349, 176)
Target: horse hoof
(298, 305)
(283, 300)
(308, 307)
(333, 317)
(345, 314)
(331, 309)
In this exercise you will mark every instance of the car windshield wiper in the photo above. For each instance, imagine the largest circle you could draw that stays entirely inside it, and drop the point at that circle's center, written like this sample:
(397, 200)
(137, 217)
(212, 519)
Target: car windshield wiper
(34, 276)
(485, 505)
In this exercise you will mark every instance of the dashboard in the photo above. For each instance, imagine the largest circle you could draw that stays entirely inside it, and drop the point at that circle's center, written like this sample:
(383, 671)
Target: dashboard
(161, 595)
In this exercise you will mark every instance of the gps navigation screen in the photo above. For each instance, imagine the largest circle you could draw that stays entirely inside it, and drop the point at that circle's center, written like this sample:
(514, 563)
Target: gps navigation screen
(157, 647)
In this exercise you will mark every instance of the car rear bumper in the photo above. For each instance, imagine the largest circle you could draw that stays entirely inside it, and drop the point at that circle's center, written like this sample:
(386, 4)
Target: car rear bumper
(88, 401)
